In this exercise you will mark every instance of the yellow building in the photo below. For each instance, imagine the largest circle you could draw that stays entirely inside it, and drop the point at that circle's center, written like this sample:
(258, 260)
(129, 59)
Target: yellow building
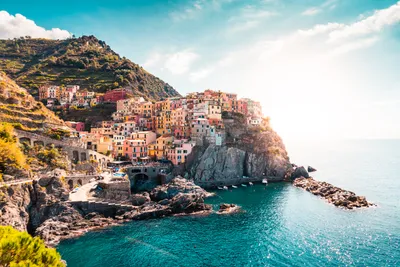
(162, 143)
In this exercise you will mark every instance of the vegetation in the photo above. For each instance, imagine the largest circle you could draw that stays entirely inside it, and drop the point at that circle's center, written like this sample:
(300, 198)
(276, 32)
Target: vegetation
(84, 61)
(51, 156)
(11, 156)
(19, 108)
(21, 249)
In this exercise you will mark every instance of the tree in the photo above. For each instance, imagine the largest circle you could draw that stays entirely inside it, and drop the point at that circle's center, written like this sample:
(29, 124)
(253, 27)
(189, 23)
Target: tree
(20, 249)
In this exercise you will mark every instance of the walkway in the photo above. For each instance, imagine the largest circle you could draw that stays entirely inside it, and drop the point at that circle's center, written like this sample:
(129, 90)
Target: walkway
(23, 181)
(82, 192)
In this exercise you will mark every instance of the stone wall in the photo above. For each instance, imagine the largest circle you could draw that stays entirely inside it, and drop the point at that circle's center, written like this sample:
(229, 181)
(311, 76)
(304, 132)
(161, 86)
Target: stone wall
(108, 209)
(117, 191)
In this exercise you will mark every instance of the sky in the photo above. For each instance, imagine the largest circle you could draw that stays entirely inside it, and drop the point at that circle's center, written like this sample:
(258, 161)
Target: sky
(322, 69)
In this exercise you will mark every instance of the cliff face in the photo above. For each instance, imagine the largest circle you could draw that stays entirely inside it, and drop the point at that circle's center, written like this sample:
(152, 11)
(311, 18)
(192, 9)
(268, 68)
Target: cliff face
(26, 206)
(14, 206)
(256, 153)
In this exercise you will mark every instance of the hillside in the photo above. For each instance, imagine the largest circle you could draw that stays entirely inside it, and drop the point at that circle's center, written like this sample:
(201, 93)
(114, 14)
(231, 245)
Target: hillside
(20, 109)
(84, 61)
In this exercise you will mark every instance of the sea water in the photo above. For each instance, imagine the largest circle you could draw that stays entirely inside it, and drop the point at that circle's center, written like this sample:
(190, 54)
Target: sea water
(281, 225)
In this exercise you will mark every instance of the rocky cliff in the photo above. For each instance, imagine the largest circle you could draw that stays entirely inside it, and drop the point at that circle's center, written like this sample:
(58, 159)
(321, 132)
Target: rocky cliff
(256, 153)
(42, 209)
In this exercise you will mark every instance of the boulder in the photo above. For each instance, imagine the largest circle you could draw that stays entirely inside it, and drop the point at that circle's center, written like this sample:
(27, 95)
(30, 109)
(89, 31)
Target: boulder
(311, 169)
(176, 186)
(228, 208)
(300, 172)
(140, 199)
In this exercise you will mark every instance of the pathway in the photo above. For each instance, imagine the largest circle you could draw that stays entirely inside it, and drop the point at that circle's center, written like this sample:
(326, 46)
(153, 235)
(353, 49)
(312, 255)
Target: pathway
(82, 192)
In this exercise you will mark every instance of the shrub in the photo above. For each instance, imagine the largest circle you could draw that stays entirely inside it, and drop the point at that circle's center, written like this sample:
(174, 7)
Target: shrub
(10, 153)
(20, 249)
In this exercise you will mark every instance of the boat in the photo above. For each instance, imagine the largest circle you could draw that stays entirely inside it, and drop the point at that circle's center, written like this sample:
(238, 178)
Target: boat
(220, 188)
(244, 185)
(250, 183)
(265, 181)
(234, 186)
(225, 188)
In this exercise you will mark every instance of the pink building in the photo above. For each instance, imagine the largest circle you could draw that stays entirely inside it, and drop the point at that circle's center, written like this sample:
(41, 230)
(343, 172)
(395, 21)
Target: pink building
(115, 95)
(78, 126)
(135, 149)
(179, 151)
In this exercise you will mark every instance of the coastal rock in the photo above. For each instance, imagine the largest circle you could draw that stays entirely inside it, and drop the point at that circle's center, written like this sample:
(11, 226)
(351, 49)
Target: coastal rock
(228, 208)
(252, 152)
(300, 172)
(311, 169)
(188, 203)
(176, 186)
(14, 206)
(140, 199)
(220, 163)
(333, 194)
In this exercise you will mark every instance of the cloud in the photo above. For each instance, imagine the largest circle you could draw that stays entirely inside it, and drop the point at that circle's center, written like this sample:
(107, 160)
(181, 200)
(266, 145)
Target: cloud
(359, 44)
(329, 4)
(311, 11)
(307, 45)
(180, 62)
(176, 63)
(239, 27)
(152, 60)
(200, 74)
(372, 24)
(18, 26)
(195, 8)
(248, 18)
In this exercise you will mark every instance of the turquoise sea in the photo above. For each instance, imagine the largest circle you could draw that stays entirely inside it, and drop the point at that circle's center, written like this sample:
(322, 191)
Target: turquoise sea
(282, 225)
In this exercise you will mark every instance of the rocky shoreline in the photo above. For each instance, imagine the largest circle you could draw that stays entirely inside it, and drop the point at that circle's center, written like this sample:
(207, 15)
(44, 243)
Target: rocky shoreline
(334, 195)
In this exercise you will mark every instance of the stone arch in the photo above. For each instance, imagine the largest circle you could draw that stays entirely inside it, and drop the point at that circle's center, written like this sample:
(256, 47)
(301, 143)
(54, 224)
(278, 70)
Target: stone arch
(140, 179)
(71, 184)
(38, 143)
(83, 156)
(75, 156)
(25, 140)
(80, 182)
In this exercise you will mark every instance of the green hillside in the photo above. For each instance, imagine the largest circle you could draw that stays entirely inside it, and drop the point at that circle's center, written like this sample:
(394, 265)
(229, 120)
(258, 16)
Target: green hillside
(84, 61)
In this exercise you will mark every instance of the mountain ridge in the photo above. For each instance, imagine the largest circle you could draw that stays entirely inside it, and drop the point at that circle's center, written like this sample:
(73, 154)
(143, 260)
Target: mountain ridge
(85, 61)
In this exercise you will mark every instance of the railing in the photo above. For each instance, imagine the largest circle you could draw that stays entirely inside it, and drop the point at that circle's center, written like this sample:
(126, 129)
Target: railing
(2, 183)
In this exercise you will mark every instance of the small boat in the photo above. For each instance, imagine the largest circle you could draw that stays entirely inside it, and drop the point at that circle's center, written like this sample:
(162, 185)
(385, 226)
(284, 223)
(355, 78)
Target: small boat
(250, 183)
(220, 188)
(234, 186)
(265, 181)
(225, 188)
(244, 185)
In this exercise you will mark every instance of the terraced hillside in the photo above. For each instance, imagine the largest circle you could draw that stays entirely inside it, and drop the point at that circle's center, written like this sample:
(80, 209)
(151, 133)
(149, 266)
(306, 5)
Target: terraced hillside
(20, 109)
(84, 61)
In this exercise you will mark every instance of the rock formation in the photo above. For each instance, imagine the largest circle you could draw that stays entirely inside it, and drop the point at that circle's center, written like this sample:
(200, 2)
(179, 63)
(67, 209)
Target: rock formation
(311, 169)
(299, 172)
(228, 209)
(248, 152)
(333, 194)
(42, 209)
